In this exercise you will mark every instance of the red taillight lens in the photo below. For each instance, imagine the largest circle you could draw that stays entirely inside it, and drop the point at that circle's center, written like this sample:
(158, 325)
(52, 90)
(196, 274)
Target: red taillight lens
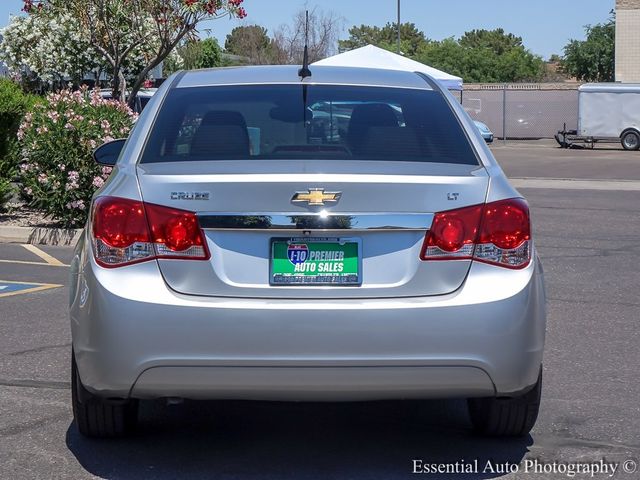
(506, 223)
(452, 234)
(119, 222)
(128, 231)
(176, 233)
(498, 233)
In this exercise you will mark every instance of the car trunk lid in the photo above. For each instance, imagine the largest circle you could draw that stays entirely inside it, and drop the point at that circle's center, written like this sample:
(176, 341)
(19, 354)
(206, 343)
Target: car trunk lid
(384, 208)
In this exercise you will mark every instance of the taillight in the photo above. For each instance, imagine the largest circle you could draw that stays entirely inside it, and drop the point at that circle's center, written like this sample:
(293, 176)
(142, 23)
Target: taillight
(129, 231)
(498, 233)
(175, 233)
(452, 234)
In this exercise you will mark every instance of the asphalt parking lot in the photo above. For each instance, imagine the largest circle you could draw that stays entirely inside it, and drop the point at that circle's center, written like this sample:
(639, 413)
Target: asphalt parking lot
(586, 233)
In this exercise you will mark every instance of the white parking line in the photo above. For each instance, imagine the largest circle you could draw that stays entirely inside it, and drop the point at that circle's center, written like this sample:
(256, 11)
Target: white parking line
(43, 255)
(25, 262)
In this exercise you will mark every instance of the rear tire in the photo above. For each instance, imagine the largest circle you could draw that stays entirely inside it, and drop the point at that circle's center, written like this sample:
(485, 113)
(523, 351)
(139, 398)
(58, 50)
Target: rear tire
(506, 417)
(98, 417)
(630, 140)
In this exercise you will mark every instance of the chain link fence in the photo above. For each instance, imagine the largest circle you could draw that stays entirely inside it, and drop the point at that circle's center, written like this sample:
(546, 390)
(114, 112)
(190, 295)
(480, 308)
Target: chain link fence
(522, 111)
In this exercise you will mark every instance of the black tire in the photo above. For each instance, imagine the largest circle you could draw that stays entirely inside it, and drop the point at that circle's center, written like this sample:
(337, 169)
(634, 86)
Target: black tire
(630, 140)
(98, 417)
(506, 417)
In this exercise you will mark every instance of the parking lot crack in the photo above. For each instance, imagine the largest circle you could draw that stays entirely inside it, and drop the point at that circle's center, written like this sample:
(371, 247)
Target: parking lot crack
(38, 349)
(35, 383)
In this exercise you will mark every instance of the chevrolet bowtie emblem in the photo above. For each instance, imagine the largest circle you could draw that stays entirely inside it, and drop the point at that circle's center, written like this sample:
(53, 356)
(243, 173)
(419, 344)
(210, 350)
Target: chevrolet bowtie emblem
(316, 197)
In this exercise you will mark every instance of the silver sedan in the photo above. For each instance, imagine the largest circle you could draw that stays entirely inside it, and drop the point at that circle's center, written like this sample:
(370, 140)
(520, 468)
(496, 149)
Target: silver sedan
(345, 236)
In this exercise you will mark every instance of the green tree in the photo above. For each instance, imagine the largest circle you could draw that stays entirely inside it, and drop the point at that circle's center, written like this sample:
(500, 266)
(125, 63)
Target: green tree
(482, 64)
(592, 59)
(251, 42)
(194, 54)
(360, 37)
(411, 39)
(496, 40)
(210, 54)
(245, 38)
(447, 55)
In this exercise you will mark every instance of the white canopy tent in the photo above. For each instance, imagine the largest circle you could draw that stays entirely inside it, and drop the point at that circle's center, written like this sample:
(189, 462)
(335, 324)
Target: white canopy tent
(375, 57)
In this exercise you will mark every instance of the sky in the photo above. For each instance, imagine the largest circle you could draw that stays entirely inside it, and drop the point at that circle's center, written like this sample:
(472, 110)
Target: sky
(544, 25)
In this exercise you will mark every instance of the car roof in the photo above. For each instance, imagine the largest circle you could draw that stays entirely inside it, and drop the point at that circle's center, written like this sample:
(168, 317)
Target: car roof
(288, 74)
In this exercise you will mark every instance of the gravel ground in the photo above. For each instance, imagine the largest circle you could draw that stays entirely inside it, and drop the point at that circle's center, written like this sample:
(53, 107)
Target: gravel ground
(20, 215)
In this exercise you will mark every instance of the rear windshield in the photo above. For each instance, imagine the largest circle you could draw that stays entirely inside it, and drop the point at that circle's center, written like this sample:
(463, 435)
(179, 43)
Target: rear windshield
(307, 122)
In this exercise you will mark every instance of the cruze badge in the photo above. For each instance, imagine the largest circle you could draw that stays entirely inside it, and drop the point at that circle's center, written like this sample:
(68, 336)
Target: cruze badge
(190, 195)
(316, 197)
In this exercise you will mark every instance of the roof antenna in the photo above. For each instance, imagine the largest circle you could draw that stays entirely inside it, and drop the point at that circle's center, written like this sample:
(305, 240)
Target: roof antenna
(304, 72)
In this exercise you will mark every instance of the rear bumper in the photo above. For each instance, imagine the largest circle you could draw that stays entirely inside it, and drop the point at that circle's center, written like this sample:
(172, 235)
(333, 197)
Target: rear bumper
(133, 336)
(313, 383)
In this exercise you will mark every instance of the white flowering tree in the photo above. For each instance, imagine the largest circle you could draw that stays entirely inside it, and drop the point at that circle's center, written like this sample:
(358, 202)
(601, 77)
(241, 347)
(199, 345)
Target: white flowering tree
(119, 29)
(53, 49)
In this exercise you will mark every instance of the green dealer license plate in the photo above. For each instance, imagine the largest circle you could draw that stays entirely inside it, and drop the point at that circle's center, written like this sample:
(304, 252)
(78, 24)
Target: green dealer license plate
(312, 261)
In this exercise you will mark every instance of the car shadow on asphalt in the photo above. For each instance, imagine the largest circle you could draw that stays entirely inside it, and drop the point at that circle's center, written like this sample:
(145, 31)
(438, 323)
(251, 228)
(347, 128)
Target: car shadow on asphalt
(225, 440)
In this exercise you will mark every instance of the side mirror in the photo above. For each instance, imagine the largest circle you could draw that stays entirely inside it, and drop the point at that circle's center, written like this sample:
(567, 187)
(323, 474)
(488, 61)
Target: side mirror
(108, 153)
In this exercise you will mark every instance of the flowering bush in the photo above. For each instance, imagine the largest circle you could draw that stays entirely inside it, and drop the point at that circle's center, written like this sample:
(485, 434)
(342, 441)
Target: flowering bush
(57, 139)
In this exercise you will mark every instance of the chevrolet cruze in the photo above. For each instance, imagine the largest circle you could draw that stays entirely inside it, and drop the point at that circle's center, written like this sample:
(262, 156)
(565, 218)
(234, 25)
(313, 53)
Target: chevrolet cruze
(339, 237)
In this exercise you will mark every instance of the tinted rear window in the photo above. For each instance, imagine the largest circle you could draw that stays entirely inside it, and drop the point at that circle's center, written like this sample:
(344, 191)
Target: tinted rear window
(307, 122)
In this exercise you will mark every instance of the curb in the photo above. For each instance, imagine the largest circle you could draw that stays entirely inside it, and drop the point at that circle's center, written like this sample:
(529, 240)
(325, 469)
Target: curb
(40, 235)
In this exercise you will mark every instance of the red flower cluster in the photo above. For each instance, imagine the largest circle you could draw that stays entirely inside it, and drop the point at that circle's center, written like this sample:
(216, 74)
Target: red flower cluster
(240, 12)
(29, 5)
(212, 6)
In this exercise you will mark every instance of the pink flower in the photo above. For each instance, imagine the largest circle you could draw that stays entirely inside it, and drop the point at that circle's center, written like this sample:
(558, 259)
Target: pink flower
(73, 176)
(76, 204)
(98, 182)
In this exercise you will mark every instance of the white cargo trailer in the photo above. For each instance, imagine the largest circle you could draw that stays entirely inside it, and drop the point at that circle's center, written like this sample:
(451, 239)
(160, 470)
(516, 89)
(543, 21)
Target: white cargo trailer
(607, 112)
